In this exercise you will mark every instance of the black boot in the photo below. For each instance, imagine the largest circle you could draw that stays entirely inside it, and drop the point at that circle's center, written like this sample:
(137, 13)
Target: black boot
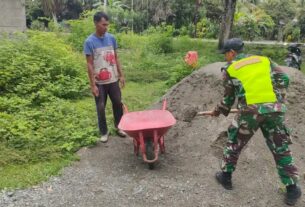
(293, 194)
(225, 179)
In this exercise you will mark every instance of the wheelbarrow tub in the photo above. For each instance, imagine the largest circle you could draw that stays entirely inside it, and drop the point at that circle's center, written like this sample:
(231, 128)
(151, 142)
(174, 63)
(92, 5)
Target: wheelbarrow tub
(146, 121)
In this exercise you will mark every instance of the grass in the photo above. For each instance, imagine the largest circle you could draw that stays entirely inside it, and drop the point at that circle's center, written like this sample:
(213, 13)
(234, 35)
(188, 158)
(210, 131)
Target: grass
(138, 96)
(21, 176)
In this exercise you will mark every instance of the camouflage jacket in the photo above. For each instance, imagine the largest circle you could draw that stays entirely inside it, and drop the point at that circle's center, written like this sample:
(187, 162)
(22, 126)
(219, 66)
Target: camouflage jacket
(234, 89)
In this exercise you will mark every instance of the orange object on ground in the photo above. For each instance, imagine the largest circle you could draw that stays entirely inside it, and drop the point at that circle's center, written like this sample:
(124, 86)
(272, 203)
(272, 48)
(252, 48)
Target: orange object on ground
(191, 58)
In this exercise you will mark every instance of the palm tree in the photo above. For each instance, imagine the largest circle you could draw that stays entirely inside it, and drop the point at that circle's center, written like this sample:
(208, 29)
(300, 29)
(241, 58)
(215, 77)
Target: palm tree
(53, 8)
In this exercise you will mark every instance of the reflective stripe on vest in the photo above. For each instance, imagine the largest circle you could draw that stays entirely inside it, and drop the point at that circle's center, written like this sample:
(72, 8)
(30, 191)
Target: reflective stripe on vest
(255, 76)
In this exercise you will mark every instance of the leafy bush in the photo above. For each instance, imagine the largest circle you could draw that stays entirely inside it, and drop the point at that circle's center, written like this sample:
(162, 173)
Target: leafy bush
(41, 64)
(131, 41)
(207, 29)
(178, 73)
(292, 32)
(163, 28)
(252, 22)
(38, 25)
(80, 30)
(45, 133)
(246, 26)
(160, 44)
(301, 22)
(185, 31)
(276, 53)
(40, 78)
(120, 21)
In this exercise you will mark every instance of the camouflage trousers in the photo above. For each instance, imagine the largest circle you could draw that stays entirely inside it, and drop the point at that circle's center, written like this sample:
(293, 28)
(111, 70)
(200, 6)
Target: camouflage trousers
(276, 136)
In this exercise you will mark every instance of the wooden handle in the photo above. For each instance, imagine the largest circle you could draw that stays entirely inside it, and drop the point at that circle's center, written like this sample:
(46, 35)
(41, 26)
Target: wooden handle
(203, 113)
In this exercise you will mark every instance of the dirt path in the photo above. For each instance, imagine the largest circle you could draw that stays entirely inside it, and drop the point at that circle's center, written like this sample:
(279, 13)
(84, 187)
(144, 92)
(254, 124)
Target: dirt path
(109, 174)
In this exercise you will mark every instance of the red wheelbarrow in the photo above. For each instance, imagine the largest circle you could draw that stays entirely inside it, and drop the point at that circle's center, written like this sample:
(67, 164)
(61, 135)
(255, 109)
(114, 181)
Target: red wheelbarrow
(147, 128)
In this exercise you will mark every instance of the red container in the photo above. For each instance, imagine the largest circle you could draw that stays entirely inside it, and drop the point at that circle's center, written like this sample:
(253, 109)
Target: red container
(191, 58)
(147, 127)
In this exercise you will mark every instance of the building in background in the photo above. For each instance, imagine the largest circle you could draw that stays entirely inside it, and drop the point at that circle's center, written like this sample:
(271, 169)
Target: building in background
(12, 15)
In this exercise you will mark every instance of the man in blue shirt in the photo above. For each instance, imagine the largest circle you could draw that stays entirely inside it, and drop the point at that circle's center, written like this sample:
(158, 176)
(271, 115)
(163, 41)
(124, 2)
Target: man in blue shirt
(105, 73)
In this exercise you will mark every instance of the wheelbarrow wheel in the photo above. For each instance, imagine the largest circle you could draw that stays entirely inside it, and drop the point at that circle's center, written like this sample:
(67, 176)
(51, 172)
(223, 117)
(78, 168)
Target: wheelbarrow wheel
(150, 152)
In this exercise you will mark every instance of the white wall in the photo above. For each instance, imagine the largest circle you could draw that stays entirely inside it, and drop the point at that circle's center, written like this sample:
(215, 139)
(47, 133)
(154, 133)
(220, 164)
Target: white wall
(12, 15)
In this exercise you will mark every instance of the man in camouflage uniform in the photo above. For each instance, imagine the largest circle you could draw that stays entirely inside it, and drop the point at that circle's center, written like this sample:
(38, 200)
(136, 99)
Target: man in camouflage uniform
(259, 86)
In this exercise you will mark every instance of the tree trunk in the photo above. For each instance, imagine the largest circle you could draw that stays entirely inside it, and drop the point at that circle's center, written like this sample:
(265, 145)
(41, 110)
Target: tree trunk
(198, 3)
(132, 16)
(280, 36)
(227, 21)
(105, 5)
(55, 18)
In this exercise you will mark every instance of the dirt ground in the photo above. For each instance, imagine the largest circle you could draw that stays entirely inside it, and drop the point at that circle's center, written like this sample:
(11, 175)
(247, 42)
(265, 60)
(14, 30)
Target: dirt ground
(110, 175)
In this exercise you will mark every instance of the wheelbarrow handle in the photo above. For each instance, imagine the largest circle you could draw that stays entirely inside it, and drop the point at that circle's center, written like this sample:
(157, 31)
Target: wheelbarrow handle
(203, 113)
(164, 104)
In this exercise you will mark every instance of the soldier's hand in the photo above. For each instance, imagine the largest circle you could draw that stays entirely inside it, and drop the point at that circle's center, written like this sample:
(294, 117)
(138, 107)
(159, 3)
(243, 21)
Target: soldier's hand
(215, 113)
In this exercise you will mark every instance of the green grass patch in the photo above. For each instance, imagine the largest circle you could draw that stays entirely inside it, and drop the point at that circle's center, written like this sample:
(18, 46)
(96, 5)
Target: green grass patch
(21, 176)
(138, 96)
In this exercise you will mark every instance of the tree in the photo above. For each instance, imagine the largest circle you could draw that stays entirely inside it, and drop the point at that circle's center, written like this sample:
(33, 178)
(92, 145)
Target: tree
(72, 10)
(250, 22)
(53, 8)
(301, 18)
(227, 21)
(282, 12)
(33, 11)
(196, 16)
(214, 10)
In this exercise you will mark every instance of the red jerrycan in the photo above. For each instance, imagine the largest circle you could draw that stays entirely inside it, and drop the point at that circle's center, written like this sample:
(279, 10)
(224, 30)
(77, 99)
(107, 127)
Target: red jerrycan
(191, 58)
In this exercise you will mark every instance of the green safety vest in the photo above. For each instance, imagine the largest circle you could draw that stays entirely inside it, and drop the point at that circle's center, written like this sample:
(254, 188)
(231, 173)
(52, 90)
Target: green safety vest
(254, 74)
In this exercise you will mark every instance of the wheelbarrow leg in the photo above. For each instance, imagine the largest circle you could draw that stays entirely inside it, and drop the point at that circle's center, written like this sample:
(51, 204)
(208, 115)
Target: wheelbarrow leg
(136, 146)
(142, 144)
(156, 143)
(161, 144)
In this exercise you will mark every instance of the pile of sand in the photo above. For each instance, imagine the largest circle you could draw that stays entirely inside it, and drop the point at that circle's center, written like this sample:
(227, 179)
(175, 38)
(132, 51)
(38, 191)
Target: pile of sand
(201, 139)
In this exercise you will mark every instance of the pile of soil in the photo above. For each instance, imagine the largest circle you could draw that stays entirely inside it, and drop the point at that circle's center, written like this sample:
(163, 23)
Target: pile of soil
(110, 175)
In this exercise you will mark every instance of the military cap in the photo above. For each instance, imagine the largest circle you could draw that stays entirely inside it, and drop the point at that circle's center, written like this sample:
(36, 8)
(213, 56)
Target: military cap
(235, 44)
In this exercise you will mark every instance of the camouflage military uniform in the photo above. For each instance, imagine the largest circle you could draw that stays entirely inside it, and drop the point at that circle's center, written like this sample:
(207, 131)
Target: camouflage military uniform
(269, 117)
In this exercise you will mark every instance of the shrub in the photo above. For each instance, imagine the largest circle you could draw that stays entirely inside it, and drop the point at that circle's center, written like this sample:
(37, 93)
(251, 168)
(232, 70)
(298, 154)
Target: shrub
(41, 64)
(276, 53)
(160, 44)
(178, 73)
(163, 28)
(80, 30)
(207, 29)
(40, 78)
(292, 33)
